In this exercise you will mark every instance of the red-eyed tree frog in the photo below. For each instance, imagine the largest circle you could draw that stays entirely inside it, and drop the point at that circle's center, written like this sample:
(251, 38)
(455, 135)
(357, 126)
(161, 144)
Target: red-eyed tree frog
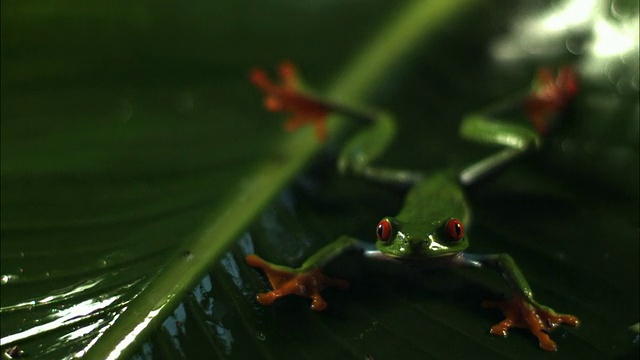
(429, 231)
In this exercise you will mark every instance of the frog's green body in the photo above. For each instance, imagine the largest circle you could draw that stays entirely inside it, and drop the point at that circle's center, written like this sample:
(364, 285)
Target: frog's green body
(418, 229)
(428, 232)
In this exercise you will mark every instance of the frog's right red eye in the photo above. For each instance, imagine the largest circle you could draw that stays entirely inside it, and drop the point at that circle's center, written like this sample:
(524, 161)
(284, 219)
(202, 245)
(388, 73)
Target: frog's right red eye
(455, 230)
(383, 231)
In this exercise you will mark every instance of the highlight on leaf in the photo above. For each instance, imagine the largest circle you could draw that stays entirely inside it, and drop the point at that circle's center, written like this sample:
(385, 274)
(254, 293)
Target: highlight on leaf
(287, 97)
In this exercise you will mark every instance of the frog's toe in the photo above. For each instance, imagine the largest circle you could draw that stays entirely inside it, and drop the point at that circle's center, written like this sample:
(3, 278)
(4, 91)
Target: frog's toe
(266, 298)
(546, 343)
(273, 103)
(502, 327)
(260, 79)
(255, 261)
(563, 319)
(288, 74)
(318, 303)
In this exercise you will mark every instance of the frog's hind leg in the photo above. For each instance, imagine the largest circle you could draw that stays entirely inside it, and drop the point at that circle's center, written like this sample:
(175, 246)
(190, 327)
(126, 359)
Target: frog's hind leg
(518, 139)
(541, 106)
(488, 165)
(358, 155)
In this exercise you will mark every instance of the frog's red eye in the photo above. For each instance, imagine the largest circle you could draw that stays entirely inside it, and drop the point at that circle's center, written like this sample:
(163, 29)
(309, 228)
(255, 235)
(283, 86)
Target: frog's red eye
(455, 230)
(383, 231)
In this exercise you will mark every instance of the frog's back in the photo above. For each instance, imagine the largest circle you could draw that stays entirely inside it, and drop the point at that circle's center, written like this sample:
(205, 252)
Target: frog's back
(436, 198)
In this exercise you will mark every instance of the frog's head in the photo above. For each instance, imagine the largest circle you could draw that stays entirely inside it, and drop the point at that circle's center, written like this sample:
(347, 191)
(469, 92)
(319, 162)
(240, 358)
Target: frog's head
(438, 238)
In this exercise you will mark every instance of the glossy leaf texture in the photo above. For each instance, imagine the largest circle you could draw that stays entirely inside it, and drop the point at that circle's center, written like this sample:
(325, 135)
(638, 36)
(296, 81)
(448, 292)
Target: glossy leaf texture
(135, 155)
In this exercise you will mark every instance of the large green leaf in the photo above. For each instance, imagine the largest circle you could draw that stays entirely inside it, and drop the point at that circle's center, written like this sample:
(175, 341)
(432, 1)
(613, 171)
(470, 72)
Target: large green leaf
(135, 152)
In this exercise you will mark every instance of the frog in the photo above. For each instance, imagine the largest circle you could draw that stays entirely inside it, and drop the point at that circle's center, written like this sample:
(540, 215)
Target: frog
(429, 230)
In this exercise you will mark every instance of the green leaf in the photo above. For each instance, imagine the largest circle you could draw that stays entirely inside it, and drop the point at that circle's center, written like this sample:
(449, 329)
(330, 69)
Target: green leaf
(135, 154)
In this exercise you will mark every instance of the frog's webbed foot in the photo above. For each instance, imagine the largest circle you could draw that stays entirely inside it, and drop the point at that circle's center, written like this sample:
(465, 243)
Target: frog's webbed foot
(287, 281)
(550, 96)
(522, 313)
(286, 96)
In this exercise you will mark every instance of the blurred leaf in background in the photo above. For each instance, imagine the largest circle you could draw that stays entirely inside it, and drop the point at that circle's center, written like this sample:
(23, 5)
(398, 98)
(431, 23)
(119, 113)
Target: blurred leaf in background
(135, 155)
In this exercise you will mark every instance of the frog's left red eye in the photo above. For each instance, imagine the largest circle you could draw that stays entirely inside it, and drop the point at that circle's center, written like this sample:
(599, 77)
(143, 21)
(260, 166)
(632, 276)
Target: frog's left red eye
(454, 228)
(383, 231)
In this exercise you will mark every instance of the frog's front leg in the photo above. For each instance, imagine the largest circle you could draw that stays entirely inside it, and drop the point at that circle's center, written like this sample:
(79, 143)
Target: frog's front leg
(307, 280)
(521, 310)
(527, 314)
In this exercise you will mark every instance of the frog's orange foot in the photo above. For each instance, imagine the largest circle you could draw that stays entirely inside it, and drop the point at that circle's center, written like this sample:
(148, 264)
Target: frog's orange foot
(287, 97)
(550, 96)
(523, 314)
(287, 281)
(288, 74)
